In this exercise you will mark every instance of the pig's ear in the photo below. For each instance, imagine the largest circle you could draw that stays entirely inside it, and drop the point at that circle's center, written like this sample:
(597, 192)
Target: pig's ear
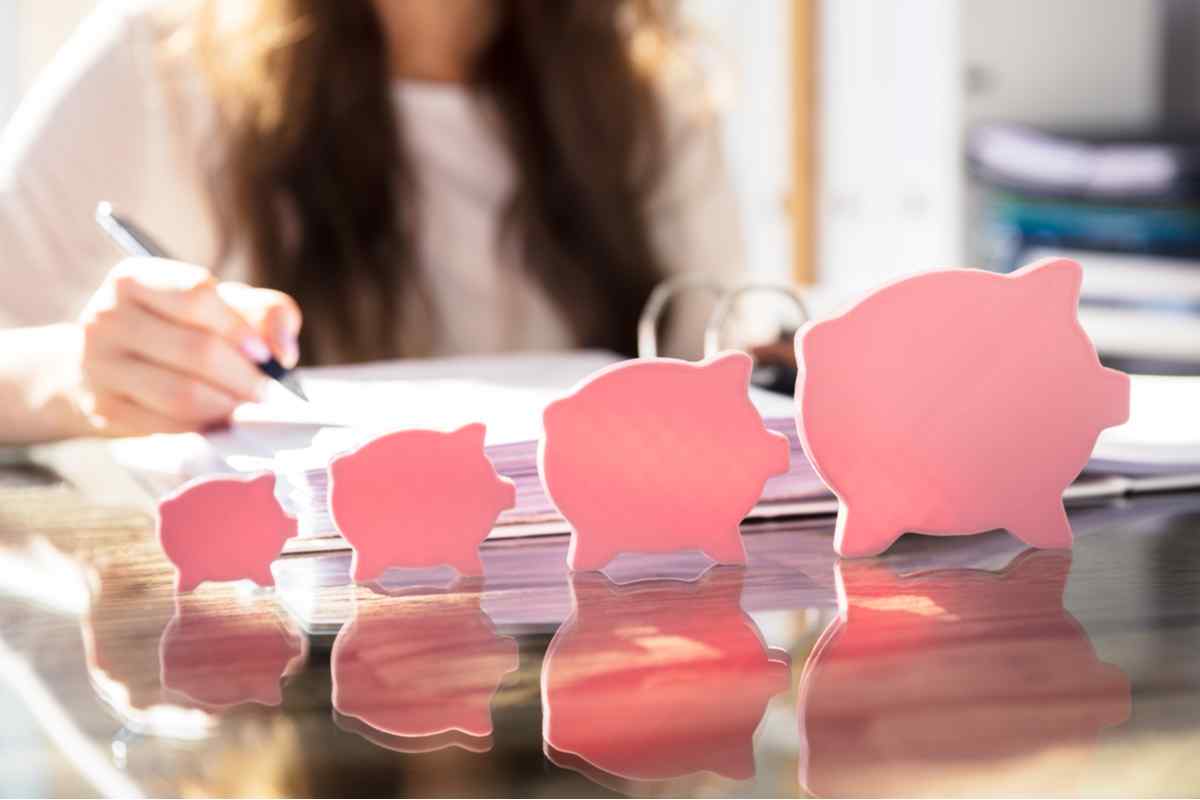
(471, 436)
(810, 339)
(553, 411)
(733, 367)
(264, 485)
(1054, 277)
(336, 464)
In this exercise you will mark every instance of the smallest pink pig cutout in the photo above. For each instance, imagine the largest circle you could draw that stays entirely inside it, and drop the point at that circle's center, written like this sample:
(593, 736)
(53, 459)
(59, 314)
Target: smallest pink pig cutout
(955, 402)
(659, 455)
(417, 498)
(223, 529)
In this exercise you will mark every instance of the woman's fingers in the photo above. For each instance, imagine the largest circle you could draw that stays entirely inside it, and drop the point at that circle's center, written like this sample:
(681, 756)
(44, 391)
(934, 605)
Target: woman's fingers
(167, 348)
(185, 294)
(191, 351)
(174, 395)
(114, 415)
(273, 314)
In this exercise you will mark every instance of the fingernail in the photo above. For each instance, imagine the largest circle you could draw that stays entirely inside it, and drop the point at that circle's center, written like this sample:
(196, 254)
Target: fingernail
(256, 349)
(291, 351)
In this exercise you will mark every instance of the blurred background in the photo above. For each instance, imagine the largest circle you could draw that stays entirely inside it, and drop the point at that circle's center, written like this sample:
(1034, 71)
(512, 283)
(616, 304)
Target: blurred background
(874, 138)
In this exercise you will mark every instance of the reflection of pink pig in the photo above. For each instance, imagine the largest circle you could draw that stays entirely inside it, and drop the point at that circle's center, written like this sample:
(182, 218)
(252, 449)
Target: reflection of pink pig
(417, 669)
(223, 529)
(955, 402)
(658, 679)
(953, 682)
(222, 654)
(417, 499)
(658, 455)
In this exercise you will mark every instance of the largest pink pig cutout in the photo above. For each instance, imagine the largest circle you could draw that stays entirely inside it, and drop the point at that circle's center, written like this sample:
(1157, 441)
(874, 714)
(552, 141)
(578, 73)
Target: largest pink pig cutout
(955, 402)
(658, 455)
(417, 498)
(223, 528)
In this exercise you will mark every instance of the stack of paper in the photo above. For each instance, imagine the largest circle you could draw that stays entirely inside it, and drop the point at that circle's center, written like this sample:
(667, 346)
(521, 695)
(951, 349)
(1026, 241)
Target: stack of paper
(1162, 436)
(303, 474)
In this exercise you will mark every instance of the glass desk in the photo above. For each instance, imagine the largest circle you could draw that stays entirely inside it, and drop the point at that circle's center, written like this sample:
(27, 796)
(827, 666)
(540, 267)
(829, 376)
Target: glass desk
(968, 666)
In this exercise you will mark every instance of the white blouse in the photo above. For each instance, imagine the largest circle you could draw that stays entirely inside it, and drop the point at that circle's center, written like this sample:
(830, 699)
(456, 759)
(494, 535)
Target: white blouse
(110, 119)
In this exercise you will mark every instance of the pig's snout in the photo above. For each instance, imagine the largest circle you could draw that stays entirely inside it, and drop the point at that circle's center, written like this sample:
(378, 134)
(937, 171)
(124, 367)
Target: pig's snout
(289, 525)
(779, 454)
(506, 493)
(1114, 397)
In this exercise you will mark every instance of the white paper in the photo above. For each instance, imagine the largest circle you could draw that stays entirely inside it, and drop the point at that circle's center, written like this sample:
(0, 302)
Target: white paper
(508, 394)
(1163, 431)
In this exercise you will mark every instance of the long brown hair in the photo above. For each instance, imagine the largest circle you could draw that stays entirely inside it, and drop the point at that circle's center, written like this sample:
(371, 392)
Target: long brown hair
(314, 182)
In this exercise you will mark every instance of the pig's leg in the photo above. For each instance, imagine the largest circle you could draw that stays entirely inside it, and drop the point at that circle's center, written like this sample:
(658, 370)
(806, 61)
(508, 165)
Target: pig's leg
(475, 720)
(1043, 525)
(185, 583)
(727, 549)
(364, 569)
(860, 534)
(582, 556)
(263, 577)
(468, 564)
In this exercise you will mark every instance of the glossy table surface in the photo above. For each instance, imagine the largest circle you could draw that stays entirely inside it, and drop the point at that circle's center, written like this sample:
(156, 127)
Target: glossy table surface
(967, 666)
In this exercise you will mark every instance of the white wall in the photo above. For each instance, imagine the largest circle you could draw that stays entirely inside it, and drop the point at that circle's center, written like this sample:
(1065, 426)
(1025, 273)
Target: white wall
(751, 48)
(31, 31)
(44, 26)
(10, 21)
(903, 80)
(891, 187)
(1064, 63)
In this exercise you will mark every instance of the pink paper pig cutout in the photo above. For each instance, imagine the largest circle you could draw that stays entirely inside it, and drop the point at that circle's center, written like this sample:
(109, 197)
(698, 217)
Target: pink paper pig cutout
(417, 498)
(658, 455)
(223, 529)
(955, 402)
(416, 669)
(220, 655)
(658, 679)
(949, 668)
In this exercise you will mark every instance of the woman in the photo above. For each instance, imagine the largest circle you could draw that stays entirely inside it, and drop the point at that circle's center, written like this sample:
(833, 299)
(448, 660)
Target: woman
(420, 178)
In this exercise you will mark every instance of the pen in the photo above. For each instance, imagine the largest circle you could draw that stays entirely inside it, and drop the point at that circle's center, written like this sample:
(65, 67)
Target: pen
(136, 242)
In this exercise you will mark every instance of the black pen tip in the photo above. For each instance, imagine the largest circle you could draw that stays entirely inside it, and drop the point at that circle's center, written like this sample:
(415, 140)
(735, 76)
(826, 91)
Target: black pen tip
(293, 386)
(278, 372)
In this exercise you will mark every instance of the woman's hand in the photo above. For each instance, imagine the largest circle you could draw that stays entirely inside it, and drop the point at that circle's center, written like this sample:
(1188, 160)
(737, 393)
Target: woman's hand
(164, 347)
